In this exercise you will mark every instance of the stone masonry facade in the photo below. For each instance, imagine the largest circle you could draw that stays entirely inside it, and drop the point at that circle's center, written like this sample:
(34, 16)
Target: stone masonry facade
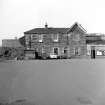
(62, 42)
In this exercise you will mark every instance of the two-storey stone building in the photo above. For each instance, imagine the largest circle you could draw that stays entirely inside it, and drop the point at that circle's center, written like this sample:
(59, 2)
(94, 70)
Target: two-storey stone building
(56, 42)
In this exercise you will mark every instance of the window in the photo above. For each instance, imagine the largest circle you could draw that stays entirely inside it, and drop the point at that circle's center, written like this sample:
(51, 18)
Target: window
(28, 41)
(56, 51)
(77, 51)
(88, 52)
(104, 53)
(43, 50)
(99, 52)
(26, 37)
(65, 50)
(55, 37)
(35, 37)
(40, 38)
(32, 35)
(69, 35)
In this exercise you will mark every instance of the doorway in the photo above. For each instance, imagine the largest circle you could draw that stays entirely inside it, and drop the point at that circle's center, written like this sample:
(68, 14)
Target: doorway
(93, 55)
(56, 51)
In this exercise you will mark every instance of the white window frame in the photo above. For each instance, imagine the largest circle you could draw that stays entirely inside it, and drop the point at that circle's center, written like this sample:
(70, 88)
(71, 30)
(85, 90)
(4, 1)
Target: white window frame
(65, 49)
(43, 50)
(55, 39)
(27, 42)
(58, 50)
(26, 37)
(77, 51)
(69, 34)
(40, 38)
(99, 53)
(88, 52)
(31, 36)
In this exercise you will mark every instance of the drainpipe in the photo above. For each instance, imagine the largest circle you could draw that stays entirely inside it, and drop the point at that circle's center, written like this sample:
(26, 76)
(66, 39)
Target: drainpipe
(67, 44)
(30, 42)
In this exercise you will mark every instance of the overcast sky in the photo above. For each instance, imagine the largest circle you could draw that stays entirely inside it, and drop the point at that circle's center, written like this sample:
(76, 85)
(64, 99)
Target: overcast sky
(17, 16)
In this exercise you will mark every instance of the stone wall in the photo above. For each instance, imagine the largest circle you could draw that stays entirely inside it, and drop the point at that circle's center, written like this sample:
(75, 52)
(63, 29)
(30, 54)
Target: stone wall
(77, 40)
(72, 41)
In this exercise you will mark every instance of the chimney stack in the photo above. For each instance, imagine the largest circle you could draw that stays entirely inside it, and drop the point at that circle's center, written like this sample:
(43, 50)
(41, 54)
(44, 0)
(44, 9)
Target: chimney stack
(46, 25)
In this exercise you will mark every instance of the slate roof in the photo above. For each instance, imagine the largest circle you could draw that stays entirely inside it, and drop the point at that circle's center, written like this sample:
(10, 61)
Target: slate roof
(22, 40)
(91, 38)
(48, 30)
(96, 42)
(95, 38)
(77, 25)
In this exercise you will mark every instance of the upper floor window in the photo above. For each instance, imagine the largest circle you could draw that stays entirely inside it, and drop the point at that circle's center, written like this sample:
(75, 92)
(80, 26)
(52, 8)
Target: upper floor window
(40, 38)
(55, 37)
(34, 37)
(69, 34)
(27, 37)
(37, 37)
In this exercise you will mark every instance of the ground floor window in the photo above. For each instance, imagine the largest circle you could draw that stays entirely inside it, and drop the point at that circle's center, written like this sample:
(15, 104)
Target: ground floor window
(65, 50)
(56, 51)
(43, 50)
(99, 52)
(77, 50)
(88, 52)
(104, 53)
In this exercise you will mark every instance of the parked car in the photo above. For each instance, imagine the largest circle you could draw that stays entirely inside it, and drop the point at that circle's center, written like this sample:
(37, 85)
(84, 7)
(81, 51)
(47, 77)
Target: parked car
(53, 56)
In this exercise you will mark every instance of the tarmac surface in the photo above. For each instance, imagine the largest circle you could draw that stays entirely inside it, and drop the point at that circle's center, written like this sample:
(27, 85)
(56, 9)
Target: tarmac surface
(54, 82)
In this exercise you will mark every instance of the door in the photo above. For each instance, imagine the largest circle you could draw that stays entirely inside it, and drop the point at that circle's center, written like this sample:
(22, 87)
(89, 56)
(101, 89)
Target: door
(65, 50)
(93, 54)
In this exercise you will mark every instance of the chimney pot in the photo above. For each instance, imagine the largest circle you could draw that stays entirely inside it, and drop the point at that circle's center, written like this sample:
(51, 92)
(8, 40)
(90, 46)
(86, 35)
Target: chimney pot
(46, 25)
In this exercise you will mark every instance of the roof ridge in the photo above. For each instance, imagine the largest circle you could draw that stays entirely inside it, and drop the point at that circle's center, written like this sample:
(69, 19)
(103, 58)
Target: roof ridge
(48, 30)
(77, 24)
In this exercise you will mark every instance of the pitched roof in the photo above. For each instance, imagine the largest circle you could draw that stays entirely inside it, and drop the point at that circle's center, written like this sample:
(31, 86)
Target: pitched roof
(75, 26)
(96, 42)
(48, 30)
(94, 34)
(95, 38)
(22, 40)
